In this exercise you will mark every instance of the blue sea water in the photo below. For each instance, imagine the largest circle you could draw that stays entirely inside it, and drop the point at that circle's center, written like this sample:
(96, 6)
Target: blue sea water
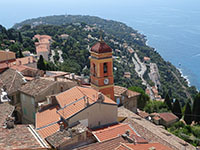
(171, 26)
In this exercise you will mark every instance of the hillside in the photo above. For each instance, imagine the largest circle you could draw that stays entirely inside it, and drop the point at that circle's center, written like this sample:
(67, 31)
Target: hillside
(128, 45)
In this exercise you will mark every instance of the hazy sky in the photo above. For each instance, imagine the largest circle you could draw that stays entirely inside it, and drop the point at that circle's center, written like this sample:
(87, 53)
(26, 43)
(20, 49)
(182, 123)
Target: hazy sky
(14, 11)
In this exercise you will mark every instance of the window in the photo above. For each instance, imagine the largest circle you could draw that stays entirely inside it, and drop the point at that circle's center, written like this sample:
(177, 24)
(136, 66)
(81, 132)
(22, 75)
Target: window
(94, 69)
(25, 112)
(33, 115)
(105, 68)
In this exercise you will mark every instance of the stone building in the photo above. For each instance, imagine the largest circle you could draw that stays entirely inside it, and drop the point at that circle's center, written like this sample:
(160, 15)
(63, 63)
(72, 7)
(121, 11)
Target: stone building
(35, 92)
(126, 97)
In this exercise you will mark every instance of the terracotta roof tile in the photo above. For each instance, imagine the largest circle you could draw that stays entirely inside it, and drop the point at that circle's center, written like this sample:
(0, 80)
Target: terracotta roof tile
(19, 137)
(12, 80)
(118, 90)
(72, 100)
(36, 86)
(112, 132)
(24, 60)
(122, 147)
(6, 55)
(130, 93)
(148, 146)
(3, 65)
(47, 131)
(168, 116)
(6, 110)
(106, 145)
(101, 47)
(43, 118)
(22, 68)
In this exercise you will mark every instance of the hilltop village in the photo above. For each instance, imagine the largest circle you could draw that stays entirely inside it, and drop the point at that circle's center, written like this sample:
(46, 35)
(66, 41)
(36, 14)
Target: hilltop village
(62, 110)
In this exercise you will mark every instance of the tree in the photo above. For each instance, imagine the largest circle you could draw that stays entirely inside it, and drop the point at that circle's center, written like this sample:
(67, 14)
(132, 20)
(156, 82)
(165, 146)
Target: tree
(143, 99)
(20, 53)
(20, 37)
(188, 114)
(196, 108)
(168, 101)
(41, 64)
(177, 109)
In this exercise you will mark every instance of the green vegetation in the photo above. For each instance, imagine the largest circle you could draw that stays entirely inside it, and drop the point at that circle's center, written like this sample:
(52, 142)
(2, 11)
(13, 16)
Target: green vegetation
(188, 133)
(168, 101)
(143, 99)
(119, 32)
(41, 64)
(188, 114)
(177, 109)
(155, 106)
(196, 108)
(13, 40)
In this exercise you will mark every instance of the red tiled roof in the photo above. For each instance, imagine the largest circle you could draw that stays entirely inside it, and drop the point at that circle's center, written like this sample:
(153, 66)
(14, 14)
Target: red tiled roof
(47, 117)
(3, 65)
(41, 48)
(21, 68)
(143, 114)
(122, 147)
(118, 90)
(106, 145)
(168, 116)
(130, 93)
(25, 60)
(101, 47)
(157, 146)
(112, 132)
(18, 137)
(47, 131)
(73, 101)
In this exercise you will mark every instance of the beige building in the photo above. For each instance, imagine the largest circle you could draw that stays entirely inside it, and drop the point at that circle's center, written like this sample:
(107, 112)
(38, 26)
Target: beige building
(7, 56)
(35, 92)
(126, 97)
(78, 104)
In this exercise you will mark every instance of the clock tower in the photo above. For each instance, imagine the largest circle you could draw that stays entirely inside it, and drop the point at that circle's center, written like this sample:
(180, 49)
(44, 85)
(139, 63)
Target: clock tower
(101, 69)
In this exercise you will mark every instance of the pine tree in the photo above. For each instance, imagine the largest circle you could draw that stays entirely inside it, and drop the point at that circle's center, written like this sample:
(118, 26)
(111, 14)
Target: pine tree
(168, 101)
(196, 108)
(41, 64)
(177, 109)
(188, 114)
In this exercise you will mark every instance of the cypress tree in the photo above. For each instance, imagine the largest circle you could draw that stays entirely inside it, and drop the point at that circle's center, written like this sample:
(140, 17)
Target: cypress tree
(168, 101)
(196, 108)
(20, 53)
(188, 114)
(20, 37)
(177, 109)
(41, 64)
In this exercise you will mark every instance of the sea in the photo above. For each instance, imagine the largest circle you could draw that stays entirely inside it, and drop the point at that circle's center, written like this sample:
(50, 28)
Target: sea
(172, 27)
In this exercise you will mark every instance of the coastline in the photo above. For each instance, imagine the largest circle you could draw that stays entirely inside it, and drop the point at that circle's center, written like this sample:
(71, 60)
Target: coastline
(179, 69)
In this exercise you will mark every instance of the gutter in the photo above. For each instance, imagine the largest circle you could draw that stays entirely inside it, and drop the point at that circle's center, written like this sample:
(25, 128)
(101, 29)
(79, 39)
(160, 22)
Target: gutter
(37, 137)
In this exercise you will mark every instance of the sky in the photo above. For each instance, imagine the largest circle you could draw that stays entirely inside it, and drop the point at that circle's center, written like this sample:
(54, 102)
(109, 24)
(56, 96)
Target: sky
(14, 11)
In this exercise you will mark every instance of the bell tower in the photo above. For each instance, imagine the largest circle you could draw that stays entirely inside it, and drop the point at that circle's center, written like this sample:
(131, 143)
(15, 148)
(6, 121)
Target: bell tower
(101, 69)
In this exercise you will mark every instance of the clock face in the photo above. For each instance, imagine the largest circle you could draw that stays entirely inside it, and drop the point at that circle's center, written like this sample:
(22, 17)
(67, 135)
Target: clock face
(106, 81)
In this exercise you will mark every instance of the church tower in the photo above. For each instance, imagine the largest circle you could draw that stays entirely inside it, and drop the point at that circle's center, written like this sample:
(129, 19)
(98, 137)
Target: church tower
(101, 69)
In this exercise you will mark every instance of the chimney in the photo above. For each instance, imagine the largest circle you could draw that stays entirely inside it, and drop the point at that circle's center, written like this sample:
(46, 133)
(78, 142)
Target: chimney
(10, 122)
(73, 76)
(101, 97)
(127, 132)
(62, 127)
